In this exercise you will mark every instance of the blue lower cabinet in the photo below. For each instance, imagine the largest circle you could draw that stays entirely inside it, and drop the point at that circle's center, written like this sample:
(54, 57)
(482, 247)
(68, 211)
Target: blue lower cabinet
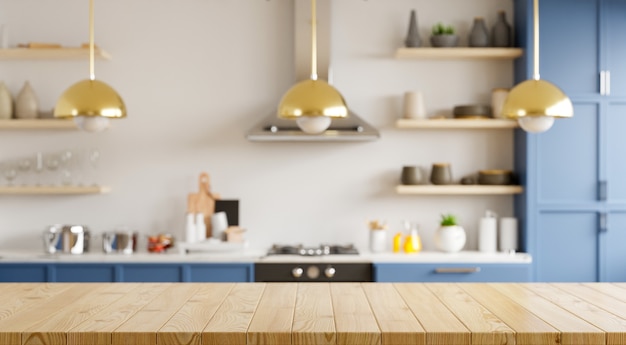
(87, 273)
(409, 272)
(221, 273)
(152, 273)
(21, 272)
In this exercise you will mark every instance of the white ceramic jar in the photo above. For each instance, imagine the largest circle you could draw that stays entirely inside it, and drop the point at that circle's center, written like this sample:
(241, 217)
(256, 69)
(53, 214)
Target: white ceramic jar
(450, 238)
(378, 240)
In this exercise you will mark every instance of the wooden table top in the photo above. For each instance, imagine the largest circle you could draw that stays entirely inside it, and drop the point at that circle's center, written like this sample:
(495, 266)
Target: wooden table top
(312, 313)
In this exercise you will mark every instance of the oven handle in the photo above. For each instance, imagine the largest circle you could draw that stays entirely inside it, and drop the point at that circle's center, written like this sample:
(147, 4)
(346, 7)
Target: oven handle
(457, 270)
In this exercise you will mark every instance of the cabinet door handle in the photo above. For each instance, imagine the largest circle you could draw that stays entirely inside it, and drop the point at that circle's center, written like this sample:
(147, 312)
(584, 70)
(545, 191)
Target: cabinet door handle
(455, 270)
(602, 190)
(607, 80)
(602, 82)
(603, 223)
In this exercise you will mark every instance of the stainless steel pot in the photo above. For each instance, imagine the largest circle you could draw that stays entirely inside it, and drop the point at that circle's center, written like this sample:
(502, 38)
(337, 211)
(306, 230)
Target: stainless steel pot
(119, 242)
(71, 239)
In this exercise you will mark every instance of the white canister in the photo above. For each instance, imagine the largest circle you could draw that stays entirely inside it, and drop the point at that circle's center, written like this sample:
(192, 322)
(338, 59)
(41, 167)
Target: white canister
(200, 227)
(414, 105)
(219, 224)
(378, 240)
(487, 233)
(498, 96)
(191, 235)
(508, 234)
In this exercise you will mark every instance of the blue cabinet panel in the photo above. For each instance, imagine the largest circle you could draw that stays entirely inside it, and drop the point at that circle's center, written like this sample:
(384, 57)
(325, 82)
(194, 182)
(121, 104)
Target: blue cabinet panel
(568, 158)
(615, 16)
(19, 272)
(221, 273)
(616, 152)
(84, 273)
(408, 272)
(569, 43)
(567, 247)
(152, 273)
(614, 253)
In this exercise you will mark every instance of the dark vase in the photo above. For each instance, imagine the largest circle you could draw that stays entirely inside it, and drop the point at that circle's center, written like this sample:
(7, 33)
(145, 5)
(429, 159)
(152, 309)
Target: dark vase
(501, 32)
(479, 36)
(413, 38)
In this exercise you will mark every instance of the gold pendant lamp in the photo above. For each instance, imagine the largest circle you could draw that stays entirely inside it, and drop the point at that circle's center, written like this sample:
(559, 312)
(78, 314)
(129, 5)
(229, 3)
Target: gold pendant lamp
(535, 103)
(90, 102)
(312, 103)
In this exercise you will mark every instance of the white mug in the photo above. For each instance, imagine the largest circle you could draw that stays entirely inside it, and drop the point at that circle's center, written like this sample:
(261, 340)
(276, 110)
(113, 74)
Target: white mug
(219, 224)
(414, 105)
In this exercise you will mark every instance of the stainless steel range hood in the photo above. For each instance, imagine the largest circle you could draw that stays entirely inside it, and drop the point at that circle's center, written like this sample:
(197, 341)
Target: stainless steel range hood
(351, 128)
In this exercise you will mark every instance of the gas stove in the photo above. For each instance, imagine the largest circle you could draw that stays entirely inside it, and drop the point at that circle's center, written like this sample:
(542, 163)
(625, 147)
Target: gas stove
(322, 249)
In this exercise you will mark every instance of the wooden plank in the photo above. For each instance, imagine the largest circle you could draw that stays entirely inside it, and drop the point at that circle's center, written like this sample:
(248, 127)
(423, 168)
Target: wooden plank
(62, 53)
(354, 320)
(614, 290)
(441, 325)
(397, 323)
(453, 123)
(273, 318)
(11, 328)
(97, 329)
(574, 330)
(529, 329)
(53, 330)
(458, 53)
(232, 319)
(313, 320)
(142, 327)
(31, 124)
(585, 302)
(53, 190)
(486, 328)
(187, 324)
(457, 190)
(15, 297)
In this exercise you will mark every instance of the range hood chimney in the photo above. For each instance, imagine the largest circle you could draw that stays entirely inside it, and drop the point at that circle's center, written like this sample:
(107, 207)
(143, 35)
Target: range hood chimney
(351, 128)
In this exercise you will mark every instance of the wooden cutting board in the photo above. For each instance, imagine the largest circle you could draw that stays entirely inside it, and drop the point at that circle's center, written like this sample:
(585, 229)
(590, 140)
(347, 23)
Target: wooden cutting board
(203, 201)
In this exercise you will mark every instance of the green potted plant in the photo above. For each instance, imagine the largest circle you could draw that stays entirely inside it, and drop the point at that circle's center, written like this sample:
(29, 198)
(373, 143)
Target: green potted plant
(450, 236)
(443, 36)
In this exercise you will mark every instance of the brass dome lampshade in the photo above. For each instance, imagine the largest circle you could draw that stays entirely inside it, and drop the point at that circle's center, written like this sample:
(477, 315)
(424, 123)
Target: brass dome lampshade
(312, 103)
(90, 102)
(535, 103)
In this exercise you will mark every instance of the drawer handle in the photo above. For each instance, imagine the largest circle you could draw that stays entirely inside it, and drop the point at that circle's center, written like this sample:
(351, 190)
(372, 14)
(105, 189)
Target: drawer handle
(444, 270)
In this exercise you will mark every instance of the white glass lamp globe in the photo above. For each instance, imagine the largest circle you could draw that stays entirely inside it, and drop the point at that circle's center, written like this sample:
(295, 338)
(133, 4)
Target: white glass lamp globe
(92, 124)
(313, 124)
(536, 124)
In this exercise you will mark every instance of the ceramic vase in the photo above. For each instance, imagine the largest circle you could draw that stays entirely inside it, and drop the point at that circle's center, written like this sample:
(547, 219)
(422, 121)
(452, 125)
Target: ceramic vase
(444, 40)
(501, 32)
(26, 103)
(413, 38)
(479, 36)
(6, 103)
(450, 239)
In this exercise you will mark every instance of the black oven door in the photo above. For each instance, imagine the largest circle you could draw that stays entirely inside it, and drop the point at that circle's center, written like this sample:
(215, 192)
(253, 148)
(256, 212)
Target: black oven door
(313, 272)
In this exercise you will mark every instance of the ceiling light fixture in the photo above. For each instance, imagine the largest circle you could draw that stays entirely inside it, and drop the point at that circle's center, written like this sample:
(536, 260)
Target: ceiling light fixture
(312, 102)
(90, 102)
(535, 103)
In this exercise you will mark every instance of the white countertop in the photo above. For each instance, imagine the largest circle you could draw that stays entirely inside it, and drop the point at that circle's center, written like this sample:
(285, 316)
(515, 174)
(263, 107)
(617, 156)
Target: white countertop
(250, 256)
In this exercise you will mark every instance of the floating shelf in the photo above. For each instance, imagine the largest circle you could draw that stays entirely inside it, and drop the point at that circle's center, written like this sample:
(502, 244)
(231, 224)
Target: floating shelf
(456, 124)
(37, 124)
(53, 190)
(50, 53)
(459, 53)
(458, 190)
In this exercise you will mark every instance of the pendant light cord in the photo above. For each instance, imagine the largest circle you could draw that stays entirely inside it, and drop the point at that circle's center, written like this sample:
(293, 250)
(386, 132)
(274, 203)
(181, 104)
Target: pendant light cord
(536, 39)
(313, 41)
(92, 74)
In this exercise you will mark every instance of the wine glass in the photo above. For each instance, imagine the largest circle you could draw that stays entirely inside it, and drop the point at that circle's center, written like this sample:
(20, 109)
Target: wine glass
(24, 165)
(93, 159)
(66, 163)
(9, 171)
(38, 168)
(52, 162)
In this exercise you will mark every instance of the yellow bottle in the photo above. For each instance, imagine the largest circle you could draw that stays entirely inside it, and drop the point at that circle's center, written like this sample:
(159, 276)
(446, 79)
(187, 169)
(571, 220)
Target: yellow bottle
(413, 242)
(397, 242)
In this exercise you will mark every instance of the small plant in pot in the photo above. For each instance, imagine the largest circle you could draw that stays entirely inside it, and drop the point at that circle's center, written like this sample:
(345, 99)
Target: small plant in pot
(450, 236)
(443, 36)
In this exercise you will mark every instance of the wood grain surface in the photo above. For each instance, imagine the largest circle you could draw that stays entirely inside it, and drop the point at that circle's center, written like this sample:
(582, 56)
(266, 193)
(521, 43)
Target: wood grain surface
(312, 313)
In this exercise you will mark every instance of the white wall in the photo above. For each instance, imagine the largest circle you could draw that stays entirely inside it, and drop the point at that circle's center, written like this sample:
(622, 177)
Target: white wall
(197, 74)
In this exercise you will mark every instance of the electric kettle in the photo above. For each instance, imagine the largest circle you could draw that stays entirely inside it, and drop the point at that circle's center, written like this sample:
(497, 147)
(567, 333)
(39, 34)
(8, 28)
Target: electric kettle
(69, 239)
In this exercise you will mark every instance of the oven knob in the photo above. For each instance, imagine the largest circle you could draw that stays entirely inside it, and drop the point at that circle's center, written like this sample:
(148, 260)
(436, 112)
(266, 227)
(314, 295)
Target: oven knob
(297, 272)
(329, 272)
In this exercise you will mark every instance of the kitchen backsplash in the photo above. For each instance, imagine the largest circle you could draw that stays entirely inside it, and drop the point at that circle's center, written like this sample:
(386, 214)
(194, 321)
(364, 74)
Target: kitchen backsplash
(196, 74)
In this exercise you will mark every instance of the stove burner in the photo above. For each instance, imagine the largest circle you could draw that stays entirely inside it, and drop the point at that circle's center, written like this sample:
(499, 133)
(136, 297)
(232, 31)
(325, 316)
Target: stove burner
(323, 249)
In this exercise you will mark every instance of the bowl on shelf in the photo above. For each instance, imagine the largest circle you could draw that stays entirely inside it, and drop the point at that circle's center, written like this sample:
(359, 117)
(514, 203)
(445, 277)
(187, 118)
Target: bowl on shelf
(495, 177)
(472, 111)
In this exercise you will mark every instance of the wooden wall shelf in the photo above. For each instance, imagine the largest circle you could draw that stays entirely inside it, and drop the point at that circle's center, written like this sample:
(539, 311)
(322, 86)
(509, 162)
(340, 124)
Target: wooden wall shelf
(37, 124)
(456, 124)
(50, 53)
(458, 190)
(53, 190)
(459, 53)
